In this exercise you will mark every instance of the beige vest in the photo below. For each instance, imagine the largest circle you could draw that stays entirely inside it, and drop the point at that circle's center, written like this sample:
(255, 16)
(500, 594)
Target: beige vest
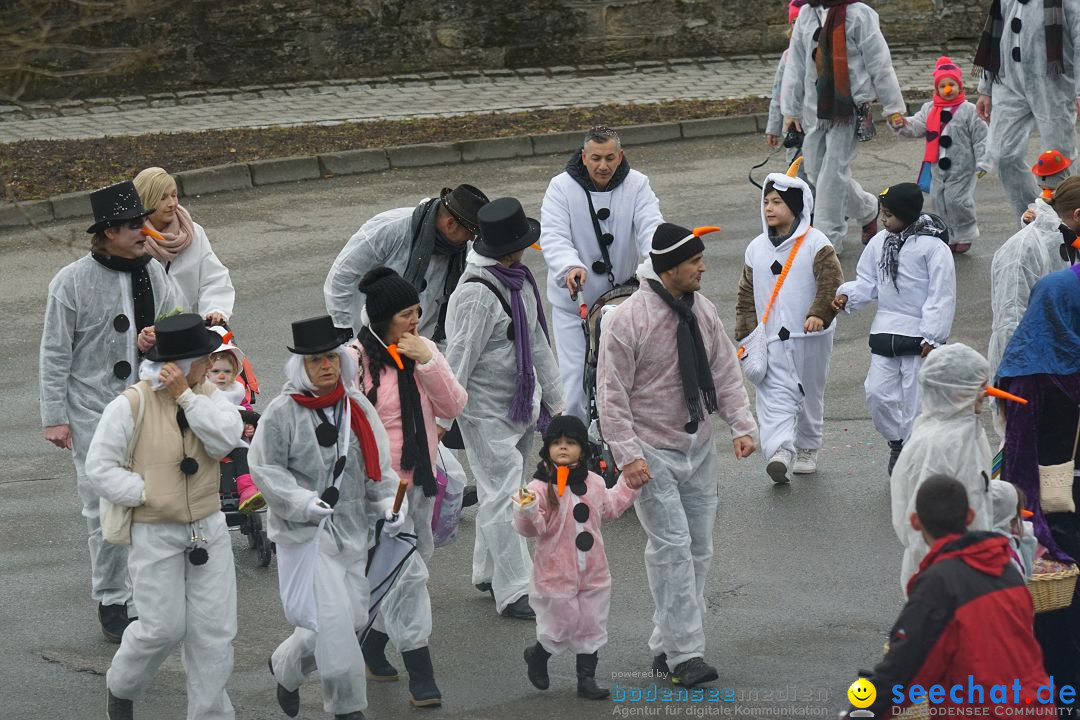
(171, 496)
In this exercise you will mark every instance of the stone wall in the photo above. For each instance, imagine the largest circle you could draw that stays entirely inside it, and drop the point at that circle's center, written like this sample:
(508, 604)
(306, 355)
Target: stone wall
(207, 43)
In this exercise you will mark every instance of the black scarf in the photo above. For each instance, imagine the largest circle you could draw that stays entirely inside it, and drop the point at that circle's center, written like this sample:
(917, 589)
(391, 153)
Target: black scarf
(415, 454)
(694, 368)
(426, 239)
(545, 471)
(142, 290)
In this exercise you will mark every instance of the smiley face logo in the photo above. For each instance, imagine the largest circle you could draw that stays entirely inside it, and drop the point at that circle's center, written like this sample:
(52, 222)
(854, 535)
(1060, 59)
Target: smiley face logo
(862, 693)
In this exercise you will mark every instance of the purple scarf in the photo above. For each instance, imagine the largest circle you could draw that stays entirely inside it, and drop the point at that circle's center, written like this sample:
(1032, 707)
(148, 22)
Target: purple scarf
(513, 278)
(1021, 443)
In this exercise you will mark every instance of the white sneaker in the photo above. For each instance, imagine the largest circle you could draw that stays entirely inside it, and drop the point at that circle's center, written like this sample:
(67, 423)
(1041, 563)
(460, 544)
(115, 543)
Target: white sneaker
(779, 464)
(805, 462)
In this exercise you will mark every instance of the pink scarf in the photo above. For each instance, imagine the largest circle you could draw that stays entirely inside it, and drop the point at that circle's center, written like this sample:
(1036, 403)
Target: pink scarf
(178, 235)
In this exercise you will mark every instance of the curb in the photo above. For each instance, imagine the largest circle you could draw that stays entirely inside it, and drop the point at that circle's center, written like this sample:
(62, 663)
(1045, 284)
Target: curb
(244, 176)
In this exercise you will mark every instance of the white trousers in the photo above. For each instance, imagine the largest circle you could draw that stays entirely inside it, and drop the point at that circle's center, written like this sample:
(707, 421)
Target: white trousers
(341, 600)
(109, 580)
(405, 611)
(180, 602)
(829, 154)
(1012, 118)
(677, 510)
(570, 346)
(892, 394)
(788, 418)
(497, 455)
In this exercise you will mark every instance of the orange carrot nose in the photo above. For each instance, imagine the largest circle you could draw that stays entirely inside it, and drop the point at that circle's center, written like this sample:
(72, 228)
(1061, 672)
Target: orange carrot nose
(151, 232)
(1047, 193)
(536, 246)
(1026, 514)
(562, 474)
(994, 392)
(392, 349)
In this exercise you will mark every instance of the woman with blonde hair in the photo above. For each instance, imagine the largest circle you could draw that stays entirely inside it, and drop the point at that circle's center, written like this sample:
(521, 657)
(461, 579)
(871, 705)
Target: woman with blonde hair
(184, 250)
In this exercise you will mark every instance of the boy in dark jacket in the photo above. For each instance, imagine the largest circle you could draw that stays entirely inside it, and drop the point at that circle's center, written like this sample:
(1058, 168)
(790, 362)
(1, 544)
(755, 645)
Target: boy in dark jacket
(968, 614)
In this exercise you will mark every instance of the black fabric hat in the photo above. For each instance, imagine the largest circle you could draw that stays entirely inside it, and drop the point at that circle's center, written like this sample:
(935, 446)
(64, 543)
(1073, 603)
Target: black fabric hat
(566, 426)
(903, 200)
(317, 335)
(464, 202)
(673, 244)
(182, 337)
(792, 197)
(387, 293)
(504, 229)
(115, 204)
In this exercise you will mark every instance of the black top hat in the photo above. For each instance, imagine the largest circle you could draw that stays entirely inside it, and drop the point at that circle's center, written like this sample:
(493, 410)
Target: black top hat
(504, 229)
(464, 202)
(317, 335)
(181, 337)
(115, 204)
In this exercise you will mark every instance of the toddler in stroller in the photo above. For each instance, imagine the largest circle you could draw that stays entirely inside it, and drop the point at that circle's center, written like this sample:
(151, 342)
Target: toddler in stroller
(600, 459)
(225, 370)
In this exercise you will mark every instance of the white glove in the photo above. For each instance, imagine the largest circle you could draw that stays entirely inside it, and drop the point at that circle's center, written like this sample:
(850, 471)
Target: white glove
(317, 510)
(394, 523)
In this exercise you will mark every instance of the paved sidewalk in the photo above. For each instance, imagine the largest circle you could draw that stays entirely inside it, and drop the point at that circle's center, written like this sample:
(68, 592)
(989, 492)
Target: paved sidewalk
(427, 95)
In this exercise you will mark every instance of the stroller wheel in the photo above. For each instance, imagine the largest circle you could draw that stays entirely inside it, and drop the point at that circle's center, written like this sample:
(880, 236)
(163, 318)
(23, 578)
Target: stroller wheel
(251, 528)
(265, 549)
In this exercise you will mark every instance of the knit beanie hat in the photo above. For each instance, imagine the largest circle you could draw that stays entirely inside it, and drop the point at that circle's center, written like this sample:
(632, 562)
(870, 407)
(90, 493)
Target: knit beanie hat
(792, 197)
(946, 68)
(673, 244)
(387, 293)
(903, 200)
(566, 426)
(793, 10)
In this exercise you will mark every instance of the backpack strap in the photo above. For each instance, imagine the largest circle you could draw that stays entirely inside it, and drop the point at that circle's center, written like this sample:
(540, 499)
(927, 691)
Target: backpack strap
(491, 286)
(135, 398)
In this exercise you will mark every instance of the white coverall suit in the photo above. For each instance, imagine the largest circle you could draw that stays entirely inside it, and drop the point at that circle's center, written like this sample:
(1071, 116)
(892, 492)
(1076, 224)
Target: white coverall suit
(568, 239)
(1026, 95)
(178, 602)
(920, 305)
(290, 468)
(644, 415)
(202, 278)
(484, 361)
(89, 356)
(830, 151)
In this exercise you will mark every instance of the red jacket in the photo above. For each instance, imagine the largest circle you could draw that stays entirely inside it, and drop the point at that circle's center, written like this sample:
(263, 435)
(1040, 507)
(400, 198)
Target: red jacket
(968, 614)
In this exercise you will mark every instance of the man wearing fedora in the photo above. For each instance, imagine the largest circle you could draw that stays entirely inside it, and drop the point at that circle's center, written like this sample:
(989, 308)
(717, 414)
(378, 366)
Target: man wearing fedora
(497, 345)
(322, 461)
(156, 450)
(425, 244)
(99, 319)
(666, 365)
(597, 221)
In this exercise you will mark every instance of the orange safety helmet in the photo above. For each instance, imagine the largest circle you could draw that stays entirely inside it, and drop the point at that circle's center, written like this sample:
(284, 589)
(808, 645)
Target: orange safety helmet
(1051, 162)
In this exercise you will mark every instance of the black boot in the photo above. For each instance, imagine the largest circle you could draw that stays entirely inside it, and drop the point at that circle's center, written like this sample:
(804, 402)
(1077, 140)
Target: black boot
(895, 446)
(586, 678)
(536, 658)
(114, 620)
(287, 700)
(116, 708)
(422, 687)
(379, 668)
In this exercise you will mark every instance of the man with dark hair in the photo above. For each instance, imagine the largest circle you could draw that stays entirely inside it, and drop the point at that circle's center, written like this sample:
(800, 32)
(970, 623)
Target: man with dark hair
(425, 244)
(99, 320)
(967, 622)
(597, 220)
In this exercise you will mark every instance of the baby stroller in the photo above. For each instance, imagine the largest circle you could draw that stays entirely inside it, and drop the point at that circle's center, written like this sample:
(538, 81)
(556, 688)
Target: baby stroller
(601, 461)
(251, 525)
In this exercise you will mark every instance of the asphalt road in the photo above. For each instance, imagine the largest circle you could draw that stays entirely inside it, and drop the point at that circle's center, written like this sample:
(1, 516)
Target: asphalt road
(804, 582)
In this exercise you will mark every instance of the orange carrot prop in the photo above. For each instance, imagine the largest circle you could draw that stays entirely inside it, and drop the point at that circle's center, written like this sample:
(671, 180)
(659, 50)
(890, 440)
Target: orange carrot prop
(1047, 193)
(1026, 514)
(536, 246)
(151, 232)
(562, 474)
(392, 349)
(401, 488)
(994, 392)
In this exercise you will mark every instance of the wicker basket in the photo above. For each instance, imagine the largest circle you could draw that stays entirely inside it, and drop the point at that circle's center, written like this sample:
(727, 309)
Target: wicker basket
(1053, 591)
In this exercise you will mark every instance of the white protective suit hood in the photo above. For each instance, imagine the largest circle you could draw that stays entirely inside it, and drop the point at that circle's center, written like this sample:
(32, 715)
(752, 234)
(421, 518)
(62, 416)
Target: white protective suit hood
(1004, 499)
(951, 380)
(297, 380)
(784, 182)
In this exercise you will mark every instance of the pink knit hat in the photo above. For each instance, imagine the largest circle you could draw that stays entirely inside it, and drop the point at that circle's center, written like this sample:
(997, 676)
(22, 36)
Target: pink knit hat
(793, 10)
(946, 68)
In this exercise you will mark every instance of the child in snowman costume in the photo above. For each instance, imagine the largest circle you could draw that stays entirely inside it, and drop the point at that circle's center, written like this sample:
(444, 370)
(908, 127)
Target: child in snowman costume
(908, 269)
(956, 153)
(791, 397)
(571, 583)
(1049, 170)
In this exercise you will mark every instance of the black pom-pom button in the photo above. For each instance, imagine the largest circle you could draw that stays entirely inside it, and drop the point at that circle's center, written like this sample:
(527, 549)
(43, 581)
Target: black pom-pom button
(946, 116)
(581, 512)
(600, 267)
(584, 541)
(326, 434)
(944, 163)
(121, 323)
(330, 496)
(603, 214)
(946, 141)
(189, 466)
(198, 556)
(1016, 54)
(1016, 25)
(607, 238)
(579, 489)
(691, 427)
(122, 369)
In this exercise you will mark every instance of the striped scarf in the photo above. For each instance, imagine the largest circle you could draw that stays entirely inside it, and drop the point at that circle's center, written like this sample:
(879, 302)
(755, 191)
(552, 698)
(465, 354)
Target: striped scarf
(988, 54)
(835, 104)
